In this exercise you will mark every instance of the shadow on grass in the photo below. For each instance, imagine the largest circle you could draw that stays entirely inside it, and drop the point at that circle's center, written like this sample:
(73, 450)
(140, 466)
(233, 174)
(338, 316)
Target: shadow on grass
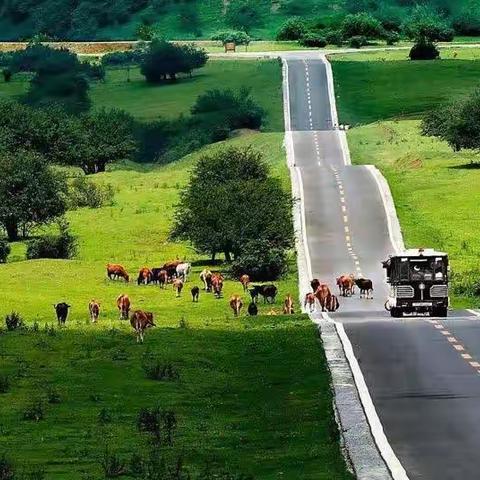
(467, 166)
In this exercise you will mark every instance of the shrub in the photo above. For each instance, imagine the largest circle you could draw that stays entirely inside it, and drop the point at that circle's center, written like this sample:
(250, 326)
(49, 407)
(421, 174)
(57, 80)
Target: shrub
(53, 396)
(7, 74)
(362, 25)
(357, 42)
(237, 37)
(467, 22)
(4, 250)
(244, 14)
(13, 321)
(7, 469)
(112, 465)
(466, 284)
(63, 245)
(94, 71)
(85, 193)
(334, 37)
(4, 383)
(261, 261)
(424, 51)
(104, 417)
(391, 37)
(161, 424)
(34, 411)
(293, 29)
(154, 369)
(130, 57)
(313, 40)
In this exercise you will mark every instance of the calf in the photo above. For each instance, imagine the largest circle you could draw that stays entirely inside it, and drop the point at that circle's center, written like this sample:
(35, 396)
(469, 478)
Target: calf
(116, 271)
(140, 321)
(236, 304)
(206, 278)
(288, 305)
(253, 309)
(61, 309)
(268, 292)
(245, 281)
(144, 276)
(94, 310)
(195, 294)
(310, 301)
(366, 287)
(178, 287)
(123, 305)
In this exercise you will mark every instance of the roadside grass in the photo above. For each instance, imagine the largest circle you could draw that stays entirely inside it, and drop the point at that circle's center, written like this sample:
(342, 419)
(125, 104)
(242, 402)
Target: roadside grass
(435, 190)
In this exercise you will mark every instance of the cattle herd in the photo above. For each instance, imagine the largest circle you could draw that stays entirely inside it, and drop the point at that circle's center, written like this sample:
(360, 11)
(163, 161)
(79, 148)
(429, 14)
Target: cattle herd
(176, 273)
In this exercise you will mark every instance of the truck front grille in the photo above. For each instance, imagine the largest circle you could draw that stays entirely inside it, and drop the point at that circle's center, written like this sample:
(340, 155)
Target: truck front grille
(439, 291)
(404, 291)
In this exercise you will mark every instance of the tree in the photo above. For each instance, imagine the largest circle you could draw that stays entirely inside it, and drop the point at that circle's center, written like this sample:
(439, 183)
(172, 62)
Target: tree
(166, 60)
(426, 26)
(292, 29)
(145, 32)
(467, 21)
(230, 200)
(362, 25)
(237, 37)
(244, 15)
(31, 192)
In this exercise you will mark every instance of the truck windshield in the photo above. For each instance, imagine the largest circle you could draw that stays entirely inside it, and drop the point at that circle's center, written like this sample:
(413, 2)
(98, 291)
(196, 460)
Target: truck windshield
(429, 269)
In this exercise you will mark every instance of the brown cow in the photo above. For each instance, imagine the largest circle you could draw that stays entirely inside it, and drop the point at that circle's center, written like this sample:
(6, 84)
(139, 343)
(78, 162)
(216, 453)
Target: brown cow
(323, 295)
(288, 305)
(94, 310)
(178, 287)
(315, 283)
(116, 271)
(217, 284)
(171, 268)
(206, 278)
(123, 305)
(140, 321)
(310, 301)
(160, 276)
(236, 304)
(245, 281)
(145, 276)
(346, 285)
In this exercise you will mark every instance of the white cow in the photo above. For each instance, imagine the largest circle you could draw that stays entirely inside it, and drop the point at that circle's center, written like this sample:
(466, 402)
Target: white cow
(183, 271)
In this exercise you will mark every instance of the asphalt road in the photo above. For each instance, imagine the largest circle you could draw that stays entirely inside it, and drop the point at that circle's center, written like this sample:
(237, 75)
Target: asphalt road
(422, 373)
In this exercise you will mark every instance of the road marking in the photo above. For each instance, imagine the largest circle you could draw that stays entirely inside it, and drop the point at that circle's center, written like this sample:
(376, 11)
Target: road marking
(452, 339)
(347, 230)
(344, 208)
(459, 348)
(445, 332)
(466, 356)
(345, 219)
(475, 364)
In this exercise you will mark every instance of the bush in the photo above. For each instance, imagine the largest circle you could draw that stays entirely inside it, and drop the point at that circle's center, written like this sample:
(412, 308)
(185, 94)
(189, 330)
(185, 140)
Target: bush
(13, 321)
(293, 29)
(63, 245)
(117, 59)
(391, 37)
(4, 250)
(467, 22)
(7, 74)
(244, 14)
(7, 469)
(357, 42)
(424, 51)
(154, 369)
(161, 424)
(34, 411)
(334, 37)
(85, 193)
(53, 396)
(112, 465)
(313, 40)
(466, 284)
(261, 261)
(237, 37)
(362, 25)
(4, 384)
(104, 417)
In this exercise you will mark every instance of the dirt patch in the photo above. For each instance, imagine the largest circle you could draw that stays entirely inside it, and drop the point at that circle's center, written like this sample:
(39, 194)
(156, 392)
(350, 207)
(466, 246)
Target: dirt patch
(81, 48)
(410, 161)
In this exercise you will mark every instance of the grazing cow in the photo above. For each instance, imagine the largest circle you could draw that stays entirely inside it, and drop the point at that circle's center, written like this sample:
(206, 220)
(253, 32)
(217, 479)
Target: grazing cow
(366, 287)
(116, 271)
(332, 303)
(245, 281)
(253, 309)
(195, 294)
(123, 305)
(310, 301)
(171, 268)
(159, 276)
(61, 309)
(217, 284)
(178, 287)
(288, 305)
(323, 295)
(346, 285)
(315, 283)
(206, 278)
(145, 276)
(94, 310)
(140, 321)
(268, 292)
(236, 304)
(183, 270)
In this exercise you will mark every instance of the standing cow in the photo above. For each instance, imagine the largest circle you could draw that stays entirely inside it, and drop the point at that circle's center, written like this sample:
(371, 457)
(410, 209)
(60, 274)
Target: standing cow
(366, 287)
(346, 285)
(245, 281)
(236, 304)
(332, 304)
(182, 271)
(206, 278)
(310, 302)
(140, 321)
(217, 284)
(123, 305)
(195, 294)
(145, 276)
(315, 283)
(61, 309)
(323, 295)
(288, 305)
(94, 310)
(178, 287)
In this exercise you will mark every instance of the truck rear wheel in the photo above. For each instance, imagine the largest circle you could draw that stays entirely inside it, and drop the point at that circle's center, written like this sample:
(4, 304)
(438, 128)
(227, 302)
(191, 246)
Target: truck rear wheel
(395, 312)
(440, 312)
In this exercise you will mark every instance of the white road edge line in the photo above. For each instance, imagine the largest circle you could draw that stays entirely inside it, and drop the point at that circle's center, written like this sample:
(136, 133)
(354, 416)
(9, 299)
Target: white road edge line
(473, 312)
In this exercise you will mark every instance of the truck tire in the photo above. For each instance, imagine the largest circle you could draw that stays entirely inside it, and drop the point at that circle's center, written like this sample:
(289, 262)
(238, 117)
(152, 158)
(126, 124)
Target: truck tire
(440, 312)
(395, 312)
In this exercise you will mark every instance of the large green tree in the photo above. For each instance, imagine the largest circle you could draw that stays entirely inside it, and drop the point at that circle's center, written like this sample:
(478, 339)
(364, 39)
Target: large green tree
(231, 200)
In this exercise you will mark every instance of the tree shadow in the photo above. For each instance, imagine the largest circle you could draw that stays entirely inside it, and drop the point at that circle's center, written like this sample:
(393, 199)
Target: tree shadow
(467, 166)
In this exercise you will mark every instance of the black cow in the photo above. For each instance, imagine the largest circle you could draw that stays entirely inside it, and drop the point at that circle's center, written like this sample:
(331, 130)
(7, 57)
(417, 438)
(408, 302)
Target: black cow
(61, 309)
(195, 294)
(252, 309)
(366, 287)
(268, 292)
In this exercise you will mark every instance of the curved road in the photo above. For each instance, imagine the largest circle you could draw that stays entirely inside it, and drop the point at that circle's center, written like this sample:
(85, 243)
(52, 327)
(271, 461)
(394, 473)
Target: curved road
(422, 373)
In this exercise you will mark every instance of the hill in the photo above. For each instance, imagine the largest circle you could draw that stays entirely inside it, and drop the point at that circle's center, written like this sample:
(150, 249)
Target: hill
(193, 19)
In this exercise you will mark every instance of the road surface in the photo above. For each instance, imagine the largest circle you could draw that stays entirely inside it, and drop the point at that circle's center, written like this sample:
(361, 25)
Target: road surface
(422, 373)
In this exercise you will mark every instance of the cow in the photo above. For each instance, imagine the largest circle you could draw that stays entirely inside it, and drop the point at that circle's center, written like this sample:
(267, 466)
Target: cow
(323, 295)
(288, 305)
(217, 284)
(123, 305)
(195, 294)
(178, 287)
(182, 271)
(61, 309)
(366, 287)
(94, 310)
(145, 276)
(310, 301)
(171, 268)
(253, 309)
(236, 304)
(206, 278)
(140, 321)
(116, 271)
(268, 292)
(315, 283)
(332, 304)
(245, 281)
(159, 276)
(346, 285)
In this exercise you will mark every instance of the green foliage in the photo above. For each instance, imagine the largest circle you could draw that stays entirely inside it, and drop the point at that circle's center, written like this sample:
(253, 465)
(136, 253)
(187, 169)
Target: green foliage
(145, 32)
(425, 26)
(467, 20)
(126, 58)
(362, 25)
(297, 7)
(14, 321)
(334, 37)
(313, 40)
(112, 465)
(164, 60)
(4, 385)
(424, 51)
(85, 193)
(63, 245)
(357, 41)
(31, 192)
(4, 250)
(7, 75)
(261, 260)
(237, 37)
(231, 200)
(7, 468)
(34, 411)
(244, 14)
(159, 423)
(293, 29)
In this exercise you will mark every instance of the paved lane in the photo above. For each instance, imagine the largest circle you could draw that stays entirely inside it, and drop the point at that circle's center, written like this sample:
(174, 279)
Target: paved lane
(422, 376)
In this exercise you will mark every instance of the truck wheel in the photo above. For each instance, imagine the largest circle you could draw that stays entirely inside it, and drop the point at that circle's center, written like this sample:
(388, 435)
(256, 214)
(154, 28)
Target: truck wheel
(395, 312)
(440, 312)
